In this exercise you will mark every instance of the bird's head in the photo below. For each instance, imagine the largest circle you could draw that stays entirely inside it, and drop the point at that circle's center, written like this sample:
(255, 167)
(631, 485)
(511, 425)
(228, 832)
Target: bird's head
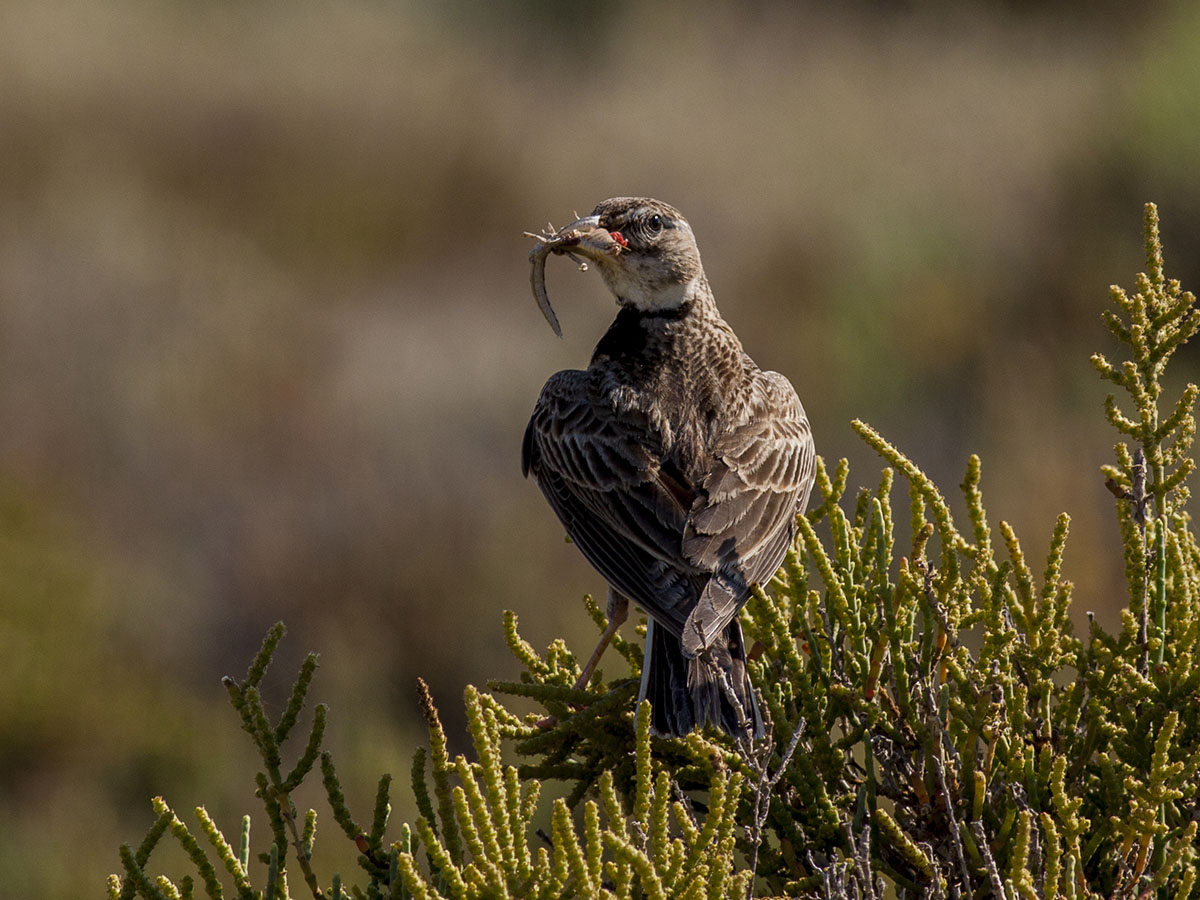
(644, 249)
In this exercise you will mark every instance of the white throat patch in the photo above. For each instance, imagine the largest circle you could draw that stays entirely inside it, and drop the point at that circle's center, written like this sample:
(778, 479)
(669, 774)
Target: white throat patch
(644, 294)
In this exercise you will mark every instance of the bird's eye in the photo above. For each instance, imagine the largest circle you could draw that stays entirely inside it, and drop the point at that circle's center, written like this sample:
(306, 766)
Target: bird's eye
(655, 224)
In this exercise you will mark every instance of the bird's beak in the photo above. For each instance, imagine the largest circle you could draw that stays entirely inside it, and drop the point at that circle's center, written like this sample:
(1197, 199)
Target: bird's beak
(586, 237)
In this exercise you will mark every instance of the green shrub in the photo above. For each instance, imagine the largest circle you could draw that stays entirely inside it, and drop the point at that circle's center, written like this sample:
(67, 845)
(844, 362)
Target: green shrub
(937, 727)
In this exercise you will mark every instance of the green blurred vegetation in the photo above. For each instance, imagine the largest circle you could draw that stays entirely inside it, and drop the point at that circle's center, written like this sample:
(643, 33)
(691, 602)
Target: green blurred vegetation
(267, 346)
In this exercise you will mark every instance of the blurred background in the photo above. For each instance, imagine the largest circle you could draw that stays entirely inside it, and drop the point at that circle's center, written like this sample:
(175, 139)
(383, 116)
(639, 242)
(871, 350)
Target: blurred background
(267, 345)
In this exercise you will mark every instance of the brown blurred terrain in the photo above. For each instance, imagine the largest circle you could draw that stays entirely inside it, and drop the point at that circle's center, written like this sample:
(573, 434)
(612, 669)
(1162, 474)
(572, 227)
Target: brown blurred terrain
(267, 346)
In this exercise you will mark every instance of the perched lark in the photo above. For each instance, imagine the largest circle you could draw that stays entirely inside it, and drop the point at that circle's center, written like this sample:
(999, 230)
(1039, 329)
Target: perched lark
(675, 463)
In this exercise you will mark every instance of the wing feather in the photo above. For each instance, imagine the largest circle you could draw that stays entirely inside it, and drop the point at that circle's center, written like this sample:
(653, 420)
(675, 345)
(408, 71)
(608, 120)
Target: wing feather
(602, 475)
(685, 551)
(744, 516)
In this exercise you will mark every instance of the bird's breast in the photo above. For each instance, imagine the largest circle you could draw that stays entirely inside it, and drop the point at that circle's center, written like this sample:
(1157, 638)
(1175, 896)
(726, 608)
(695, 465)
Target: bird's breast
(680, 372)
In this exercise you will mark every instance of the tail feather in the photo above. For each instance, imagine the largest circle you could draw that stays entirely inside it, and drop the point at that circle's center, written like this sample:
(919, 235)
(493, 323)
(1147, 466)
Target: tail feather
(713, 688)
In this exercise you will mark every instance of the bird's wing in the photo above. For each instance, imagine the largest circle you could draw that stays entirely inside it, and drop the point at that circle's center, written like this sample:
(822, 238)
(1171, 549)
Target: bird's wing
(744, 517)
(623, 508)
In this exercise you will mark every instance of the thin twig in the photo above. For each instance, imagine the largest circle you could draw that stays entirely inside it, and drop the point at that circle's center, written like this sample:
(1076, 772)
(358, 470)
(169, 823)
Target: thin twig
(1138, 498)
(762, 795)
(726, 685)
(289, 817)
(862, 862)
(989, 861)
(935, 884)
(935, 727)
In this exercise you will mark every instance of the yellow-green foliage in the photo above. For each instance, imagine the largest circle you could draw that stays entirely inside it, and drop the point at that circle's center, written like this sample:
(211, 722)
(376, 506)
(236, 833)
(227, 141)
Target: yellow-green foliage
(937, 727)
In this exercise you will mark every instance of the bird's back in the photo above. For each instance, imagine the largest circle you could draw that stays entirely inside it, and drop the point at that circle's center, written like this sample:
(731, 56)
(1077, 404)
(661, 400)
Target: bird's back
(673, 461)
(684, 371)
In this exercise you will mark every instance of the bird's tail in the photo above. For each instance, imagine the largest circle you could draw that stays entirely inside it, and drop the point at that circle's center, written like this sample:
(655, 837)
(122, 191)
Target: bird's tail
(712, 688)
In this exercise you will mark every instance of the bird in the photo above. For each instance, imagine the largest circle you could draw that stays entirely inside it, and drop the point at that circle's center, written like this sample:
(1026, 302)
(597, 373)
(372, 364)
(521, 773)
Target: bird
(676, 465)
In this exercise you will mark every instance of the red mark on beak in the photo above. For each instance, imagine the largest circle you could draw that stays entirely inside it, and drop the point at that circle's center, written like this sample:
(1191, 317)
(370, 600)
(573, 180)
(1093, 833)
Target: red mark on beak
(619, 238)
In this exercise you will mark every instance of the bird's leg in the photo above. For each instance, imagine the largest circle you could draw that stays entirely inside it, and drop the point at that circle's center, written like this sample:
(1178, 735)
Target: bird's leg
(617, 611)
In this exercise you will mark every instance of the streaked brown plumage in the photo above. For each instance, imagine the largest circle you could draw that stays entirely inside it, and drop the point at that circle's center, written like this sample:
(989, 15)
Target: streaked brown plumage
(676, 465)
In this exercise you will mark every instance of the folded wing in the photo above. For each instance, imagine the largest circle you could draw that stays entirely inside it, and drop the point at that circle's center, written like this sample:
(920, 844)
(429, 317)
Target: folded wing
(685, 552)
(603, 477)
(744, 516)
